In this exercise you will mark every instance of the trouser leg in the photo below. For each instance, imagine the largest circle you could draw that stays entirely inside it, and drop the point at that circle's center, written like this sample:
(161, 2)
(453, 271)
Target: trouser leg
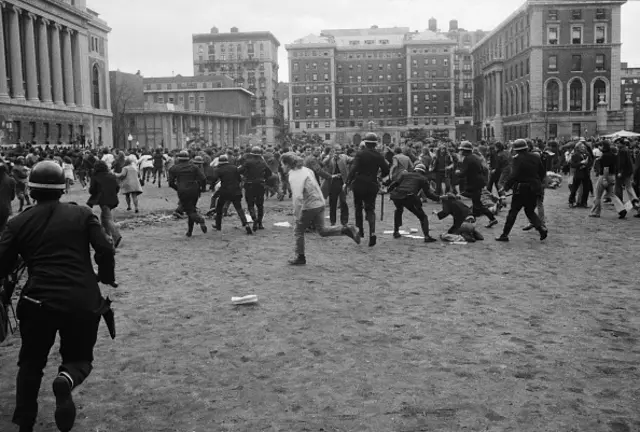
(237, 204)
(397, 214)
(77, 339)
(219, 211)
(516, 205)
(251, 201)
(358, 204)
(529, 205)
(370, 211)
(415, 206)
(478, 207)
(259, 194)
(596, 209)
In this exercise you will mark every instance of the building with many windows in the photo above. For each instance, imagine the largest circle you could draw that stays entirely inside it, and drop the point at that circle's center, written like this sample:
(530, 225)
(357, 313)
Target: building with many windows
(344, 83)
(54, 85)
(251, 59)
(176, 110)
(548, 71)
(630, 81)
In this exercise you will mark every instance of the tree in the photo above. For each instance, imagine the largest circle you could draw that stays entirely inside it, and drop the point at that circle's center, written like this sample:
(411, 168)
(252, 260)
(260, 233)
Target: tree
(124, 95)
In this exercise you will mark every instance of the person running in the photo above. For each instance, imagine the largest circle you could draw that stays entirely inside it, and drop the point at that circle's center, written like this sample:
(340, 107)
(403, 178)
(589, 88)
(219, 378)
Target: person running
(255, 171)
(607, 171)
(230, 191)
(158, 166)
(308, 206)
(186, 179)
(473, 174)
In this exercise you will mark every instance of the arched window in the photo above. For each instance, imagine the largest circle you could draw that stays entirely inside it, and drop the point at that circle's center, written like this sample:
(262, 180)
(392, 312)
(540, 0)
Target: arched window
(553, 96)
(599, 88)
(575, 95)
(95, 86)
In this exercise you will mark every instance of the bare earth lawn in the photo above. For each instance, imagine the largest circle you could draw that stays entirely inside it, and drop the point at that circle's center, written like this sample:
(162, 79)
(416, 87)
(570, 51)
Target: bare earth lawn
(404, 337)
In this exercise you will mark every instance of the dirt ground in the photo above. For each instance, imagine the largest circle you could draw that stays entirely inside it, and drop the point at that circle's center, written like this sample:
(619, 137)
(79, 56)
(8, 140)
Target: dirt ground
(403, 337)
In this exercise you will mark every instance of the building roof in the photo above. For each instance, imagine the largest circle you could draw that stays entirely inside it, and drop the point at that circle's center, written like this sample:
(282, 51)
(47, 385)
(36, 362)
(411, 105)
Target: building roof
(313, 39)
(429, 36)
(234, 37)
(224, 79)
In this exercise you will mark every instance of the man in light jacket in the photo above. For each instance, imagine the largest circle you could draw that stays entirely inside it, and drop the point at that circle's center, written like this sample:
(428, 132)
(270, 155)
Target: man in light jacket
(308, 206)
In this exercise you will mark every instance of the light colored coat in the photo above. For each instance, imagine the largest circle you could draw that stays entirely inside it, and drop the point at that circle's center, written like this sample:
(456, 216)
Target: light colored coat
(129, 181)
(305, 191)
(329, 164)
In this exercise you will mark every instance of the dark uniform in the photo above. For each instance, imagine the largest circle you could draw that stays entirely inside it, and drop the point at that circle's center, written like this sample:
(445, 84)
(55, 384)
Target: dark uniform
(473, 174)
(527, 175)
(186, 178)
(363, 178)
(7, 194)
(256, 173)
(230, 191)
(404, 193)
(61, 295)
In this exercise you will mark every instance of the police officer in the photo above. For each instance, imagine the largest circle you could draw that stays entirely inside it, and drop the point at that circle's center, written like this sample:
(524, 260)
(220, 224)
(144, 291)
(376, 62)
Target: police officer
(187, 179)
(256, 172)
(363, 178)
(61, 295)
(527, 175)
(230, 191)
(404, 194)
(473, 175)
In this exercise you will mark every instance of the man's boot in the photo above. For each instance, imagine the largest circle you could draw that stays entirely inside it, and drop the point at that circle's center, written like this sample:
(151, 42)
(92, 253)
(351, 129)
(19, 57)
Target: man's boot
(65, 414)
(298, 261)
(190, 225)
(352, 233)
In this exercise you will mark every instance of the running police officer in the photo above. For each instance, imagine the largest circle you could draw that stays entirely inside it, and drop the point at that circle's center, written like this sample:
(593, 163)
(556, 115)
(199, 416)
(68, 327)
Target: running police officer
(363, 178)
(472, 173)
(61, 294)
(256, 172)
(527, 175)
(187, 178)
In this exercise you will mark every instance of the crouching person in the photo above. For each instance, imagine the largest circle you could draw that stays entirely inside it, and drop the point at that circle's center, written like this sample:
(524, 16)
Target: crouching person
(308, 206)
(61, 295)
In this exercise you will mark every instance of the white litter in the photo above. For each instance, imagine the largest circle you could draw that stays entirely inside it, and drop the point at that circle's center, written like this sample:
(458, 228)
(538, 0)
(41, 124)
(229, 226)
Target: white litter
(250, 299)
(401, 232)
(282, 224)
(413, 230)
(249, 218)
(415, 237)
(628, 206)
(459, 243)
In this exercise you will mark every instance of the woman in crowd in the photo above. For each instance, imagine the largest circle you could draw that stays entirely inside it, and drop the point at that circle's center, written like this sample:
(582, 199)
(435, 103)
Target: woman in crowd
(130, 183)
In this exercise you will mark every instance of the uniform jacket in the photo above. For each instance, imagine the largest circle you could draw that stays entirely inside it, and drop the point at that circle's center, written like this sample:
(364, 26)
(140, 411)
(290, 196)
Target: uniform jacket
(366, 165)
(185, 175)
(411, 183)
(104, 190)
(230, 179)
(7, 194)
(625, 163)
(254, 169)
(457, 209)
(500, 161)
(58, 259)
(527, 169)
(472, 173)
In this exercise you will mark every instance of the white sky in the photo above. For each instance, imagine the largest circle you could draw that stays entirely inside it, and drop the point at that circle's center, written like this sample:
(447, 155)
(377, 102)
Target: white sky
(154, 36)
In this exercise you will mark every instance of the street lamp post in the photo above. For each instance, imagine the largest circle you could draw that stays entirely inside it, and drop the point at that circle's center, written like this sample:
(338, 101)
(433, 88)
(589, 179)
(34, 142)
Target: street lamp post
(130, 139)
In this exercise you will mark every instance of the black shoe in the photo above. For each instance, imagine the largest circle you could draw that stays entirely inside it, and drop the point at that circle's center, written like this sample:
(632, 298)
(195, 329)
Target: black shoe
(26, 429)
(248, 229)
(429, 239)
(255, 226)
(361, 232)
(203, 227)
(128, 208)
(396, 235)
(528, 228)
(137, 211)
(260, 226)
(637, 215)
(189, 233)
(544, 233)
(502, 238)
(622, 214)
(65, 408)
(373, 240)
(215, 227)
(299, 261)
(352, 233)
(492, 223)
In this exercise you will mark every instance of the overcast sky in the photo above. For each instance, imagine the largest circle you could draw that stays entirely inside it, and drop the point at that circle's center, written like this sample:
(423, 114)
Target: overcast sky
(154, 36)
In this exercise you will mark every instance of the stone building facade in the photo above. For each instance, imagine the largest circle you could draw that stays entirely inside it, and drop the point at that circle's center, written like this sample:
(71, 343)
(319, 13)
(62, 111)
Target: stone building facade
(630, 92)
(251, 59)
(344, 83)
(54, 63)
(543, 72)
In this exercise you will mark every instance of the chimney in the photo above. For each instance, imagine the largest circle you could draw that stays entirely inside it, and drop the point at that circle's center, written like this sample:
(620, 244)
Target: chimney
(234, 29)
(453, 25)
(214, 30)
(433, 25)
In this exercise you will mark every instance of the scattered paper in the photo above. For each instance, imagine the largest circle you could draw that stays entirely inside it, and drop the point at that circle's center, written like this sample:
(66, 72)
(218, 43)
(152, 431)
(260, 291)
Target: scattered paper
(413, 230)
(628, 206)
(459, 243)
(415, 237)
(401, 232)
(244, 300)
(249, 218)
(282, 224)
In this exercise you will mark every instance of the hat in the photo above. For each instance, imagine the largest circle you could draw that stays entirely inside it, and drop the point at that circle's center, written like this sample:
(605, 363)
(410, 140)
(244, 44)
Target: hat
(198, 160)
(47, 175)
(370, 138)
(420, 167)
(256, 150)
(520, 145)
(183, 156)
(466, 146)
(223, 159)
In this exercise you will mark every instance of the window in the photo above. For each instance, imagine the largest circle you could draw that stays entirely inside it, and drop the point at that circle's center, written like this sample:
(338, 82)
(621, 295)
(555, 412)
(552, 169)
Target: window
(599, 88)
(576, 62)
(553, 63)
(575, 129)
(553, 96)
(576, 14)
(295, 67)
(95, 84)
(354, 42)
(553, 15)
(552, 35)
(576, 35)
(553, 130)
(575, 95)
(601, 34)
(600, 14)
(600, 62)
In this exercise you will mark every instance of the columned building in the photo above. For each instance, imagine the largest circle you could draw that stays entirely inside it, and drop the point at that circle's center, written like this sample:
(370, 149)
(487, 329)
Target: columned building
(251, 59)
(550, 70)
(344, 83)
(630, 80)
(54, 84)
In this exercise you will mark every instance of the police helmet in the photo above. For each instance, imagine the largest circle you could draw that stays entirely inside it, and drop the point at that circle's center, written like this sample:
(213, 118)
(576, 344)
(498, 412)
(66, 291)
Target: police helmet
(420, 167)
(256, 150)
(370, 138)
(466, 146)
(183, 156)
(520, 145)
(47, 175)
(198, 160)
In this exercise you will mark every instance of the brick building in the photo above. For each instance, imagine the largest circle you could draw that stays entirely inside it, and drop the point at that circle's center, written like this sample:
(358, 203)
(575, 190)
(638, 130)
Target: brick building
(344, 83)
(178, 109)
(542, 72)
(54, 86)
(630, 85)
(251, 59)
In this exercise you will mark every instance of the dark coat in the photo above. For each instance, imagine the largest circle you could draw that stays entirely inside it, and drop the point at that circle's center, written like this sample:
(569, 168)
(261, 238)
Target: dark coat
(230, 180)
(472, 173)
(527, 173)
(457, 209)
(104, 190)
(7, 194)
(254, 169)
(366, 165)
(58, 259)
(411, 183)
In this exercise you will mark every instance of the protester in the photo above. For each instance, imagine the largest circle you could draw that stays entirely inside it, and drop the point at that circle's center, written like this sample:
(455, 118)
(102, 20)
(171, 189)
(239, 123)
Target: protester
(130, 183)
(104, 193)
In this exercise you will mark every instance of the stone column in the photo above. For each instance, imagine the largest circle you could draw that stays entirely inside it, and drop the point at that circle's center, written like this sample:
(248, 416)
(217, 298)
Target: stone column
(43, 58)
(498, 93)
(67, 67)
(16, 55)
(31, 69)
(4, 89)
(56, 65)
(77, 69)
